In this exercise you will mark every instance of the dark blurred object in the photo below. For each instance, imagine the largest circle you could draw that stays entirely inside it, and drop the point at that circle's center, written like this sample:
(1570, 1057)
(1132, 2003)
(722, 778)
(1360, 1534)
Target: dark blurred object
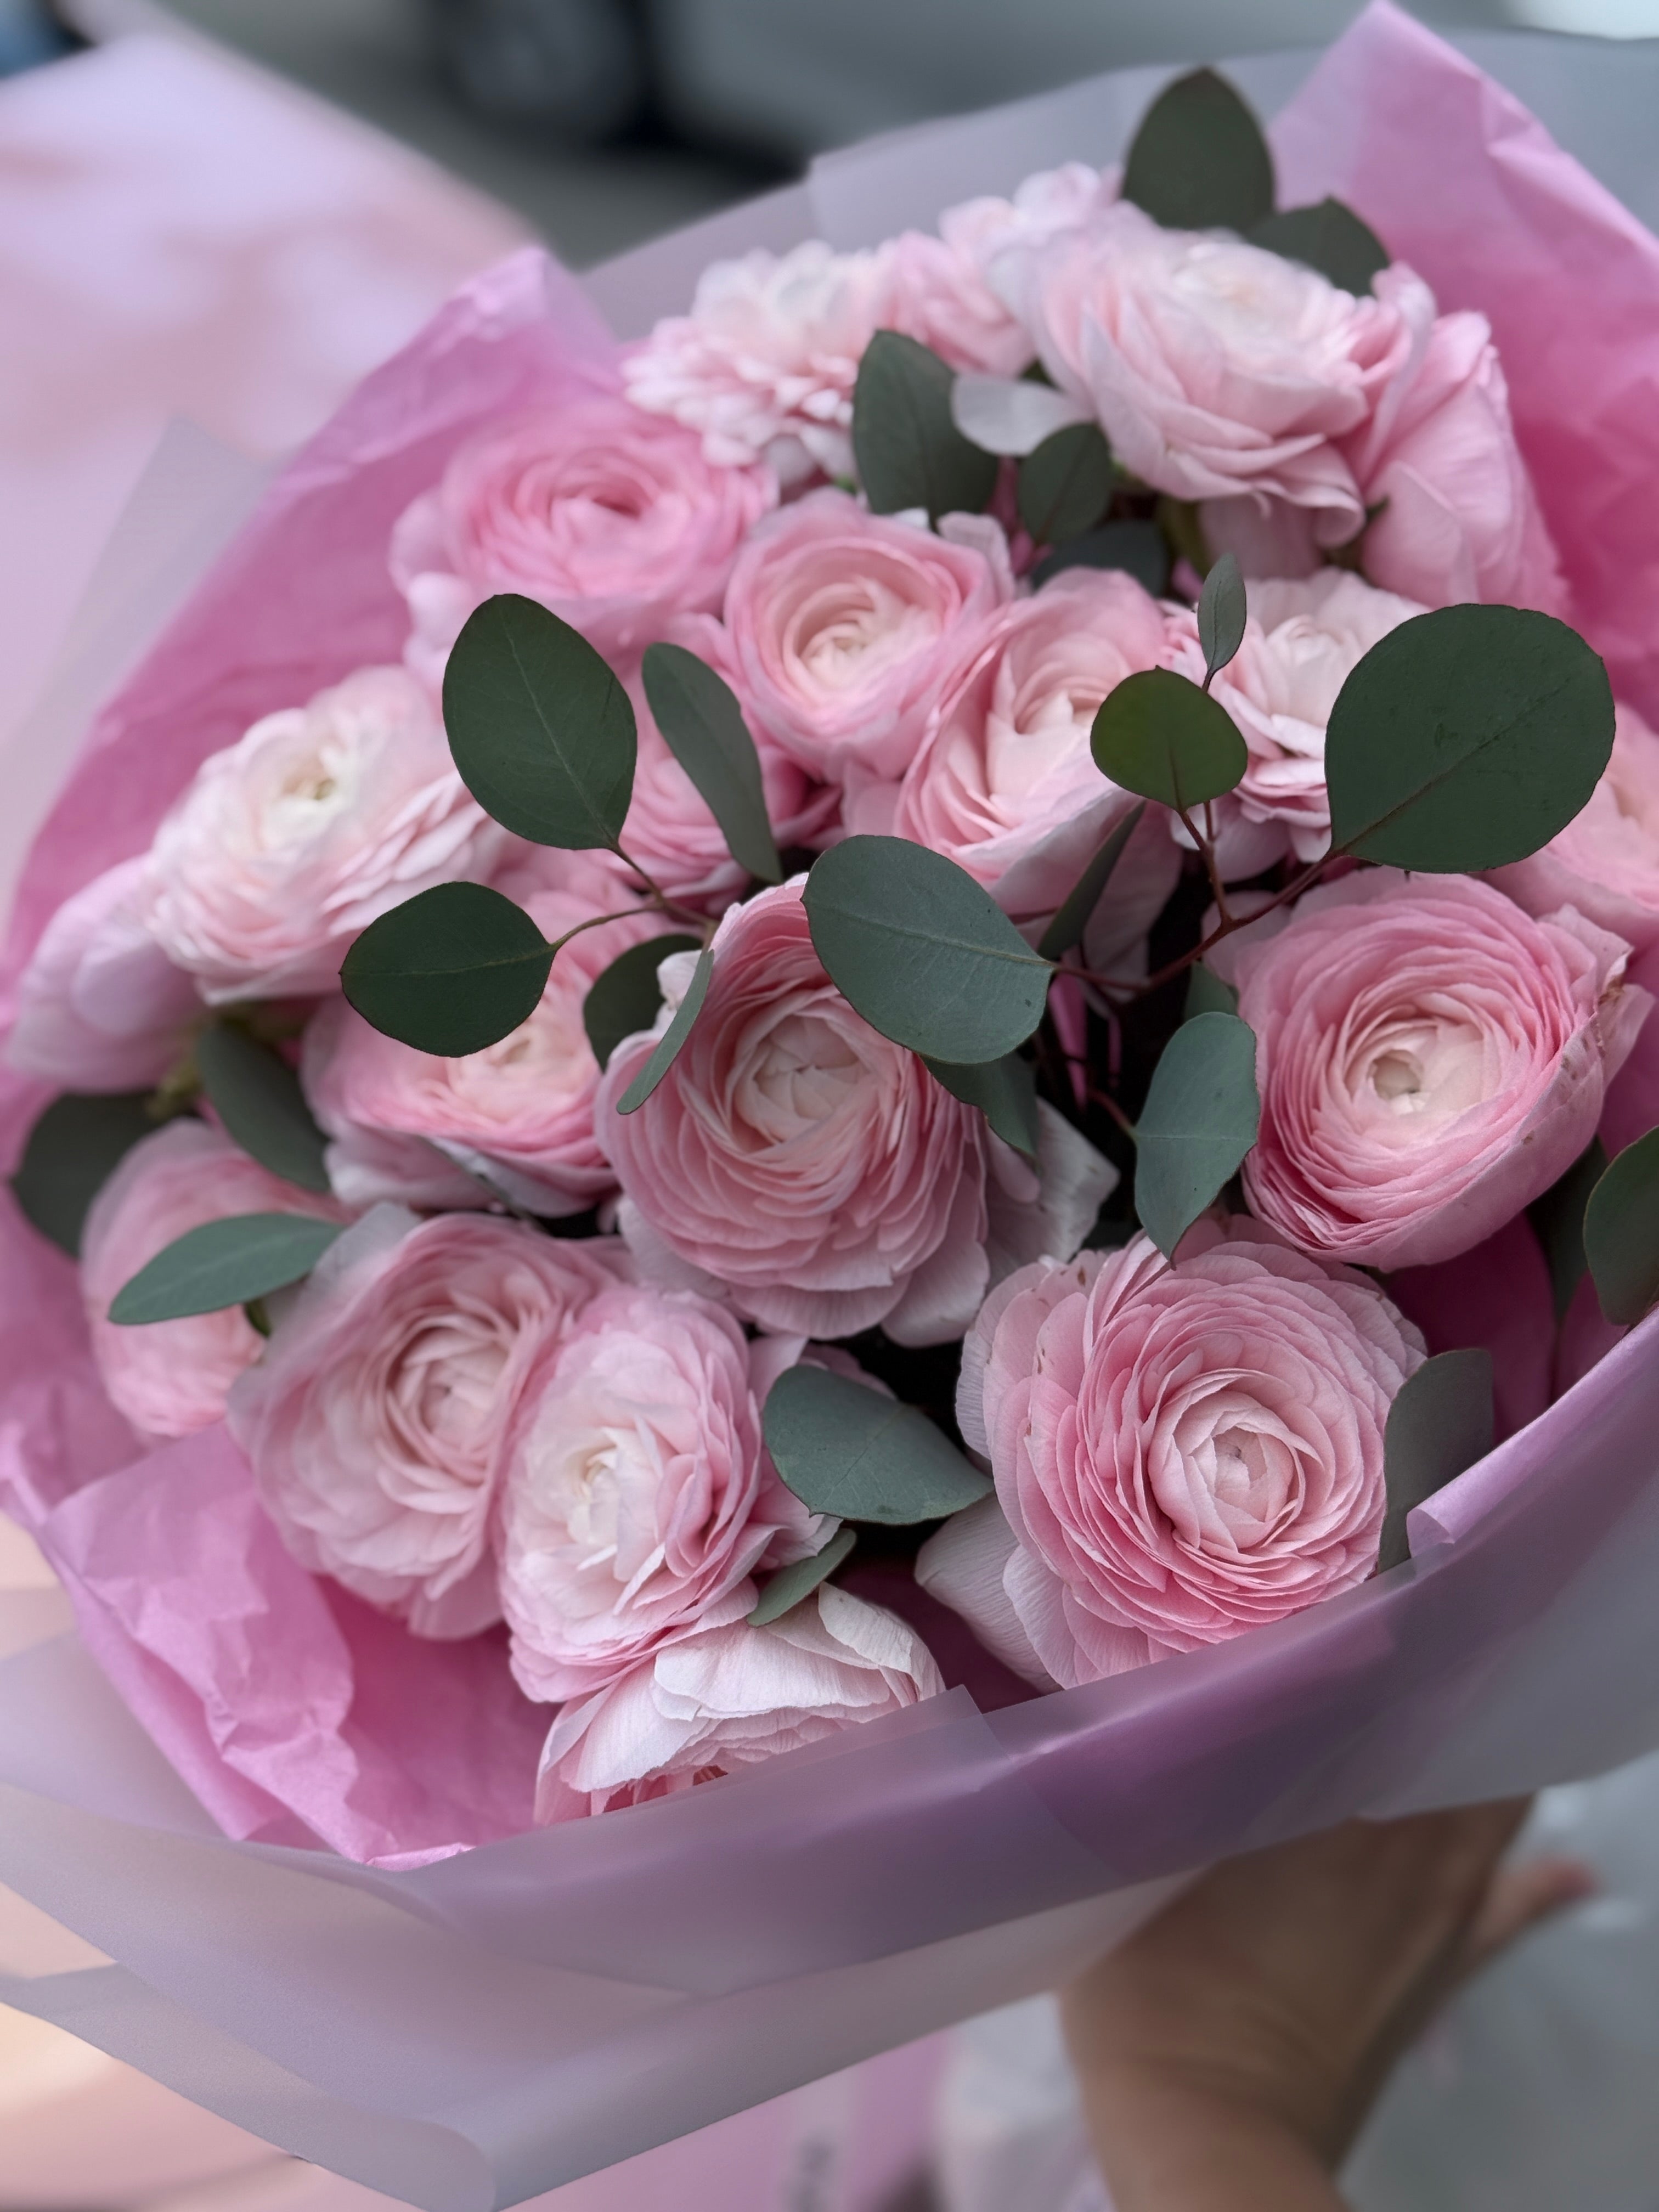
(575, 69)
(30, 33)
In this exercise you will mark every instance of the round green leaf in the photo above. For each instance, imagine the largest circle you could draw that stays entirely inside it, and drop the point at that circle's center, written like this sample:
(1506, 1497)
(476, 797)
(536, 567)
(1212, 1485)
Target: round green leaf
(74, 1148)
(845, 1449)
(1199, 160)
(227, 1262)
(1077, 910)
(1328, 237)
(922, 951)
(626, 999)
(1221, 614)
(1206, 993)
(1621, 1231)
(1005, 1092)
(1066, 484)
(698, 715)
(1159, 734)
(256, 1095)
(667, 1046)
(907, 447)
(1200, 1119)
(542, 732)
(784, 1590)
(1137, 547)
(1440, 1423)
(1465, 739)
(450, 971)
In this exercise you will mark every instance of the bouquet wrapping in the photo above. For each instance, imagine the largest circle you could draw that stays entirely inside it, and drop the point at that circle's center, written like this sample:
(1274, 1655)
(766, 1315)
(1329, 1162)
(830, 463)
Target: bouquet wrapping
(370, 1828)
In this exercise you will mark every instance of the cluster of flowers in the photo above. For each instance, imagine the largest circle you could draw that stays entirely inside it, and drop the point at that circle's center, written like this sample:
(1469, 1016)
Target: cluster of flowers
(467, 1420)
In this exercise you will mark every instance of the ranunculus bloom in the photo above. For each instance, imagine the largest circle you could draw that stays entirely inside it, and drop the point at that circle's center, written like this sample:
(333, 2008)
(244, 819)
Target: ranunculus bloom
(938, 294)
(170, 1377)
(518, 1115)
(1606, 861)
(100, 1006)
(730, 1697)
(289, 842)
(640, 1499)
(1215, 368)
(843, 624)
(1429, 1059)
(1005, 785)
(1458, 518)
(1301, 642)
(377, 1418)
(609, 516)
(1181, 1452)
(763, 365)
(814, 1171)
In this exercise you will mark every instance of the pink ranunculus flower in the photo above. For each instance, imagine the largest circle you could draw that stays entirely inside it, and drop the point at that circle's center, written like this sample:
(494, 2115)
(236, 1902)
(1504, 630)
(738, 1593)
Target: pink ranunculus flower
(1429, 1059)
(609, 516)
(516, 1118)
(843, 624)
(938, 294)
(1606, 861)
(1004, 783)
(1216, 368)
(289, 843)
(812, 1171)
(1181, 1452)
(1453, 513)
(727, 1698)
(376, 1420)
(1301, 643)
(764, 367)
(639, 1500)
(171, 1378)
(100, 1006)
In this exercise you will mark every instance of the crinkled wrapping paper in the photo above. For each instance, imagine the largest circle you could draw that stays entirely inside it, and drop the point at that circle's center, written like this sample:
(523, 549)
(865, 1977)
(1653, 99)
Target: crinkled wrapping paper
(273, 1868)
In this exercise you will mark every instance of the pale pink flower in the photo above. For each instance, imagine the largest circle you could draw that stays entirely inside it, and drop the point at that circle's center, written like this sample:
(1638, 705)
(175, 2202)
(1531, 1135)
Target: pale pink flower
(1606, 861)
(171, 1378)
(764, 367)
(812, 1170)
(641, 1500)
(609, 516)
(730, 1697)
(289, 843)
(100, 1006)
(1181, 1452)
(843, 624)
(1429, 1059)
(376, 1420)
(938, 295)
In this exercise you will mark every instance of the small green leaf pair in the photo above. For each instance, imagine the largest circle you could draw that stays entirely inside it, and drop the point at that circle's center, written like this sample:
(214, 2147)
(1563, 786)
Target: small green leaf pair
(1604, 1216)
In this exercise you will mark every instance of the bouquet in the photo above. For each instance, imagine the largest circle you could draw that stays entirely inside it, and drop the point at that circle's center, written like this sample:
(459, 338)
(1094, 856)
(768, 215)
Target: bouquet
(812, 1093)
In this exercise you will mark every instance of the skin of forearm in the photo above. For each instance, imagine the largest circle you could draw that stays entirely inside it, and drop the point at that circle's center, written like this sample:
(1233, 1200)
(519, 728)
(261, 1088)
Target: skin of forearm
(1161, 2153)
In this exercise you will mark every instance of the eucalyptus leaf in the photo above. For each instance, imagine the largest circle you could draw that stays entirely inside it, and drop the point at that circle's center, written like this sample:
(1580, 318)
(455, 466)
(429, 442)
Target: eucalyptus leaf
(922, 951)
(452, 971)
(698, 715)
(666, 1049)
(1465, 739)
(232, 1261)
(1328, 237)
(1440, 1423)
(1621, 1231)
(1557, 1221)
(908, 450)
(784, 1590)
(626, 999)
(1199, 160)
(1004, 1091)
(1138, 548)
(1077, 909)
(1221, 612)
(1201, 1118)
(1206, 993)
(74, 1146)
(256, 1095)
(1066, 485)
(1159, 734)
(845, 1449)
(542, 732)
